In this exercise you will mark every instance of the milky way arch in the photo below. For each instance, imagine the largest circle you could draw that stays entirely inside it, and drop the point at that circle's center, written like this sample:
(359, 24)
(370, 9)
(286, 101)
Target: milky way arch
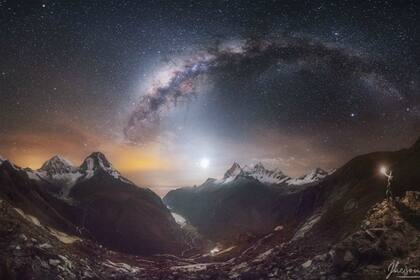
(181, 81)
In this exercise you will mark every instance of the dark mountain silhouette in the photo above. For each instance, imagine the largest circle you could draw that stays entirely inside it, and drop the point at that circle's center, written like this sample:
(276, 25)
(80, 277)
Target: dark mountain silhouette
(337, 203)
(332, 226)
(93, 201)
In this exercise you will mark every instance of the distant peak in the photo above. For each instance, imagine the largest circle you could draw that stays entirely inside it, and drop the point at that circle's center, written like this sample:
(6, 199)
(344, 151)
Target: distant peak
(314, 175)
(259, 166)
(58, 158)
(101, 158)
(233, 171)
(318, 171)
(98, 162)
(57, 165)
(98, 155)
(234, 166)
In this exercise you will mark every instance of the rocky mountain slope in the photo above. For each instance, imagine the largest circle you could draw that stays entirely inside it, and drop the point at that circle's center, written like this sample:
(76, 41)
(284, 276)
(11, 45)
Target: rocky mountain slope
(332, 207)
(92, 201)
(340, 227)
(245, 202)
(385, 241)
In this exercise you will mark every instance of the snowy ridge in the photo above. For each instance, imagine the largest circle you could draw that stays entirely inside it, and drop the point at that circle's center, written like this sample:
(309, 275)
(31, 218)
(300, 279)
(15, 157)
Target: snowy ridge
(59, 171)
(264, 175)
(313, 176)
(232, 173)
(98, 162)
(57, 165)
(271, 177)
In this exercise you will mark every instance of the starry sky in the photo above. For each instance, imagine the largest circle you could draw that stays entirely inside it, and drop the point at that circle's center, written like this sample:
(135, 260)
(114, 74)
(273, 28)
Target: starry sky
(160, 86)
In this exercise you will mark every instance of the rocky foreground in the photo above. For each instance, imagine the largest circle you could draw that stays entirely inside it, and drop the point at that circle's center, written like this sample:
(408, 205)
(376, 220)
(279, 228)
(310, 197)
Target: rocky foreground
(386, 241)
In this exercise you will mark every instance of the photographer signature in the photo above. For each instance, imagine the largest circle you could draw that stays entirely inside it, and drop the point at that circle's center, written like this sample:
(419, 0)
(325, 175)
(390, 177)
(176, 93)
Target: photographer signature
(399, 271)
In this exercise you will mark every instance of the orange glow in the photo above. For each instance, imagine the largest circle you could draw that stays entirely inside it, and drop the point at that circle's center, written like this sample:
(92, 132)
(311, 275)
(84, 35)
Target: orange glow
(130, 159)
(33, 160)
(152, 165)
(32, 150)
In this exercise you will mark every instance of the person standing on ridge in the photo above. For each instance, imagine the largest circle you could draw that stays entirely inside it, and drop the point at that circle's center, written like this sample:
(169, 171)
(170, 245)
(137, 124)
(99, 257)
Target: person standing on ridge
(388, 192)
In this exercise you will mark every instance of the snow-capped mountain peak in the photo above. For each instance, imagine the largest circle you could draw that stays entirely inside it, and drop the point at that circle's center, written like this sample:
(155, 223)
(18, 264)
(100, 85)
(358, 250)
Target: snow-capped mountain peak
(259, 168)
(98, 162)
(267, 176)
(233, 171)
(313, 176)
(258, 172)
(264, 175)
(59, 171)
(316, 173)
(57, 165)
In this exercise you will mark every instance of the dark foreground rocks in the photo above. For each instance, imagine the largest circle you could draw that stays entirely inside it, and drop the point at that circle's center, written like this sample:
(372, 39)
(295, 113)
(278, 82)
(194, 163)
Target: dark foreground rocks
(384, 239)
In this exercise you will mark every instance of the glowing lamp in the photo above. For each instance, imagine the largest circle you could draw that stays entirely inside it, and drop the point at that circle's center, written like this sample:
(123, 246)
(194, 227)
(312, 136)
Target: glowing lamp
(383, 170)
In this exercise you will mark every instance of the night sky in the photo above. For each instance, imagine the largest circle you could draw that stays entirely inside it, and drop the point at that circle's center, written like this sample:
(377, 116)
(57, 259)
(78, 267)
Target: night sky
(161, 86)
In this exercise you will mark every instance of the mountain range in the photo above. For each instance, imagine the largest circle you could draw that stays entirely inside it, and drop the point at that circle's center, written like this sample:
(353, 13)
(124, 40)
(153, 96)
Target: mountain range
(93, 200)
(246, 201)
(270, 177)
(90, 222)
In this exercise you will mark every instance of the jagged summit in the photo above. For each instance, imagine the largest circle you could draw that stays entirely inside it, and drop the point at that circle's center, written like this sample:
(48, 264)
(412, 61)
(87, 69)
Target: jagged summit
(264, 175)
(258, 172)
(60, 172)
(315, 173)
(313, 176)
(233, 171)
(268, 176)
(57, 165)
(259, 167)
(95, 161)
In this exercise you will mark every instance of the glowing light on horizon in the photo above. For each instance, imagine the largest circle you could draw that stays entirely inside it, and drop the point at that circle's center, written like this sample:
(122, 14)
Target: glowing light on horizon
(204, 163)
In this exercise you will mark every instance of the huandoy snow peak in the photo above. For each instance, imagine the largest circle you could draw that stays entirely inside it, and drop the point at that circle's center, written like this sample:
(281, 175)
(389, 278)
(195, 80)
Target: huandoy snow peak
(59, 172)
(97, 162)
(86, 200)
(57, 165)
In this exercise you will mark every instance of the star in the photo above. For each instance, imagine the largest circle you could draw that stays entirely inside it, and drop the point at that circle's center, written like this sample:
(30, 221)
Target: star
(187, 77)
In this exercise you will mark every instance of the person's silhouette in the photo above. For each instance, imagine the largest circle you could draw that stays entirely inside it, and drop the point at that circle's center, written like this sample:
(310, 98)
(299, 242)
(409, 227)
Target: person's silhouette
(388, 191)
